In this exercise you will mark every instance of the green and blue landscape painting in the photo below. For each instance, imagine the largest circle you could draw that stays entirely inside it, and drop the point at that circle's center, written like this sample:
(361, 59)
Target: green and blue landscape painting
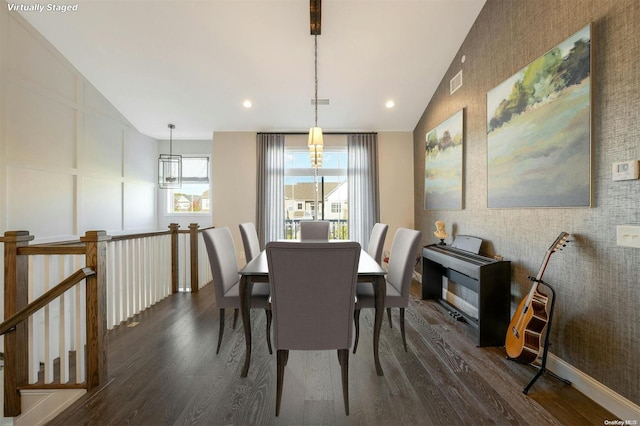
(443, 165)
(539, 131)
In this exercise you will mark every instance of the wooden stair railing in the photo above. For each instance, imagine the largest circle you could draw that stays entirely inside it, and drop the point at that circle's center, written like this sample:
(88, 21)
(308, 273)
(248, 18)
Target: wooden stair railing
(17, 308)
(93, 247)
(10, 323)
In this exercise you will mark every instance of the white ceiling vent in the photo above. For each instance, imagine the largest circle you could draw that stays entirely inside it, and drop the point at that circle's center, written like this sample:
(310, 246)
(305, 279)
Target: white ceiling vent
(455, 83)
(324, 101)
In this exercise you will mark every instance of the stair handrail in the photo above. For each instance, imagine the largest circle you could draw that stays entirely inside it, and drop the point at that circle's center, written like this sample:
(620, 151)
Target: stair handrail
(10, 323)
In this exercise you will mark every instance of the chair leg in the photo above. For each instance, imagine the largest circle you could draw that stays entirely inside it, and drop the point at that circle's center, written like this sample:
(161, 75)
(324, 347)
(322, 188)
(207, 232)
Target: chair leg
(404, 337)
(282, 356)
(389, 316)
(269, 317)
(356, 320)
(235, 317)
(221, 331)
(343, 356)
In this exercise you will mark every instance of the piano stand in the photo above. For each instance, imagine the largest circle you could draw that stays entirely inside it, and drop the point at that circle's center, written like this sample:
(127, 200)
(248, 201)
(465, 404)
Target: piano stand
(543, 367)
(489, 278)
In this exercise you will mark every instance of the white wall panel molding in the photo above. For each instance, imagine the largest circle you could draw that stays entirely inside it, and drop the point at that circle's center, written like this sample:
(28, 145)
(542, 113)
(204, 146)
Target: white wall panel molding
(137, 197)
(36, 61)
(101, 204)
(93, 102)
(26, 85)
(38, 130)
(102, 146)
(138, 149)
(41, 202)
(67, 155)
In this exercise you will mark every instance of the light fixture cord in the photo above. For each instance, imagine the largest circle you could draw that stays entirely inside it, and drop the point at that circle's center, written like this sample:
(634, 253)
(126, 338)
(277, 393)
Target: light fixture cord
(315, 39)
(171, 127)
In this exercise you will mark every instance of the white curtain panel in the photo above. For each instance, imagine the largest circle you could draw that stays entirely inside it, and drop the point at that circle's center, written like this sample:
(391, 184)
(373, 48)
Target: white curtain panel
(270, 193)
(364, 193)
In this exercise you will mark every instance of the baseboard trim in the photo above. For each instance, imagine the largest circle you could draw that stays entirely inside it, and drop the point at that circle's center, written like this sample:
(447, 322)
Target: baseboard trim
(612, 401)
(41, 406)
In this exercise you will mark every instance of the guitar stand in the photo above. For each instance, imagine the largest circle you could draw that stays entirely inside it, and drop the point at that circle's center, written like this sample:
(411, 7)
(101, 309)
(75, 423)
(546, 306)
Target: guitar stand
(543, 367)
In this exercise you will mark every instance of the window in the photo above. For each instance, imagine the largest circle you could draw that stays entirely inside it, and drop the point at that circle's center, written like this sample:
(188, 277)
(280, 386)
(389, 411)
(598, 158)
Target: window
(299, 189)
(193, 197)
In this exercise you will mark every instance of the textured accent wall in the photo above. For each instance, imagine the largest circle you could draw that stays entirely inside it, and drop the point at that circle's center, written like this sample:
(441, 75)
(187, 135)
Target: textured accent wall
(597, 321)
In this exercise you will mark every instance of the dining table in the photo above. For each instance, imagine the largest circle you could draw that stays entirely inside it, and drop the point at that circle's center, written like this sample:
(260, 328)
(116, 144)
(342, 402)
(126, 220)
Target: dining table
(257, 270)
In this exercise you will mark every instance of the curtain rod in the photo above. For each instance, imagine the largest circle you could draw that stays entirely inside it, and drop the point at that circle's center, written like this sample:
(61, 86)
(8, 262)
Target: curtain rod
(324, 133)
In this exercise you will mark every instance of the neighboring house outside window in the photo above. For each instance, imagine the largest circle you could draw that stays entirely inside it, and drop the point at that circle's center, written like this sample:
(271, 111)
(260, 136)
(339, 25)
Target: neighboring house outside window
(181, 203)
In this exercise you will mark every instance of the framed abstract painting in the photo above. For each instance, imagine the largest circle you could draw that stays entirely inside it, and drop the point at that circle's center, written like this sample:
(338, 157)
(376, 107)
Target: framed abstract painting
(539, 131)
(443, 165)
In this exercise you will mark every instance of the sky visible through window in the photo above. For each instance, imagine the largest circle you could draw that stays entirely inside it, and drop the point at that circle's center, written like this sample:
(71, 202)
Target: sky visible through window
(300, 159)
(192, 189)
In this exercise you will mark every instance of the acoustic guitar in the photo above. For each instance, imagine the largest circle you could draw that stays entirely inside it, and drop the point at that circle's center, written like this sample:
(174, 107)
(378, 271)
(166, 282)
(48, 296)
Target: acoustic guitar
(525, 330)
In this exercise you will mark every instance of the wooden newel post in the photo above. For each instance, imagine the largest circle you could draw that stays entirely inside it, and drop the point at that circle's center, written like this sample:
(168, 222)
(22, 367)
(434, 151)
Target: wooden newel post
(96, 300)
(173, 228)
(193, 241)
(16, 274)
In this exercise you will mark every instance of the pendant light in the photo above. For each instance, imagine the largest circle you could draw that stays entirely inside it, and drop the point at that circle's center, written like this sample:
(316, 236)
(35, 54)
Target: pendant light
(170, 166)
(315, 133)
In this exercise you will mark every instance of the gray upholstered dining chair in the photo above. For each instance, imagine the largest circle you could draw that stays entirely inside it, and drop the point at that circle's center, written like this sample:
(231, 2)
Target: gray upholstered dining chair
(312, 299)
(375, 249)
(314, 230)
(401, 263)
(376, 241)
(224, 267)
(250, 240)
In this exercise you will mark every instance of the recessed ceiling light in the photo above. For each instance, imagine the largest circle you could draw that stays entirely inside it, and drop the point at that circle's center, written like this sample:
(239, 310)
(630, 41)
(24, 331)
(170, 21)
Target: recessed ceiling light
(390, 104)
(247, 104)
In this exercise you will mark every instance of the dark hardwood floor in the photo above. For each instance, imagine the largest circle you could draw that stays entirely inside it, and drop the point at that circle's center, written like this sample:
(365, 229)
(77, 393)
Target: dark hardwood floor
(163, 371)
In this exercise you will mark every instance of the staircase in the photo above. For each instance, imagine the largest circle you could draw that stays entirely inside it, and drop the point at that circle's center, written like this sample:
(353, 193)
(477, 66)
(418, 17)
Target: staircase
(38, 406)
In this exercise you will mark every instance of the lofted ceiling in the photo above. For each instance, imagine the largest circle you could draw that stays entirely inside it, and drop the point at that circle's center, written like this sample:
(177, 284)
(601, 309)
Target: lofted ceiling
(194, 62)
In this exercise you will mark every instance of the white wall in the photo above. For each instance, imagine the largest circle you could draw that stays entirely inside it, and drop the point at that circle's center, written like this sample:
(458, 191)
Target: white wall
(234, 181)
(395, 153)
(233, 197)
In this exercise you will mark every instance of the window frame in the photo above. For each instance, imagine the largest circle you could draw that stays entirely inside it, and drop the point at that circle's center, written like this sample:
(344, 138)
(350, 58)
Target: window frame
(169, 193)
